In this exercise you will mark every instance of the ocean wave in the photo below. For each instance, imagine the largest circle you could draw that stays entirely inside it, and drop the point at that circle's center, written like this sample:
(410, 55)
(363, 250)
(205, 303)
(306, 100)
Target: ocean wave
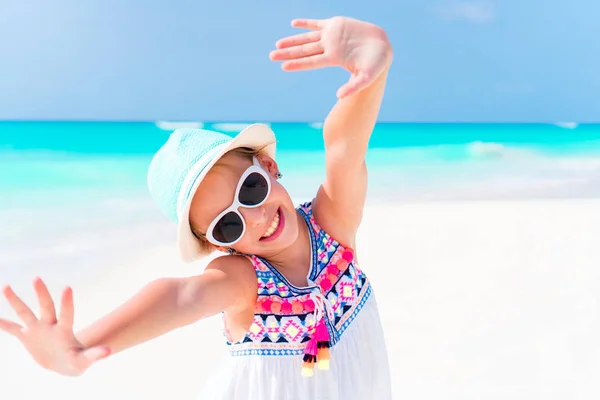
(567, 125)
(489, 186)
(483, 150)
(172, 125)
(118, 181)
(477, 151)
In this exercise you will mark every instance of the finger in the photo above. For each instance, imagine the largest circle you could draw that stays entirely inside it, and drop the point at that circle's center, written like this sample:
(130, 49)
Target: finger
(47, 309)
(67, 313)
(298, 40)
(291, 53)
(20, 308)
(94, 354)
(312, 62)
(313, 24)
(10, 327)
(354, 85)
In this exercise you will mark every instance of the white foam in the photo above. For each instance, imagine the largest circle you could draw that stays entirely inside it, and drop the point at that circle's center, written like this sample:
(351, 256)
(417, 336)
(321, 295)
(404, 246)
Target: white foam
(480, 149)
(172, 125)
(567, 125)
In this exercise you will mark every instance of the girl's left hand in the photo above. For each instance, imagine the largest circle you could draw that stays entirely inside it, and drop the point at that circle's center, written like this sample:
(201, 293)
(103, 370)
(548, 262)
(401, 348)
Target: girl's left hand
(360, 47)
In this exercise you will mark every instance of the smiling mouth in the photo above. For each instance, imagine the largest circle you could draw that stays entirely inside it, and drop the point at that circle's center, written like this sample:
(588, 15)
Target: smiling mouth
(274, 225)
(275, 228)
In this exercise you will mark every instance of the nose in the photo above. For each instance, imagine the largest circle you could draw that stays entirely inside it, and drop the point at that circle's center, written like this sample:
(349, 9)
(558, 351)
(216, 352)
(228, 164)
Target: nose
(254, 216)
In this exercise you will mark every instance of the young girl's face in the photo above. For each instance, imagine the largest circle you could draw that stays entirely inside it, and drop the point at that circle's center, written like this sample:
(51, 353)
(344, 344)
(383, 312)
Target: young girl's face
(270, 227)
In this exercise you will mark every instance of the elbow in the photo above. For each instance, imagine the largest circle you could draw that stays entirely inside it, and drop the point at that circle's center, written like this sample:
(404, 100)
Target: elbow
(178, 297)
(188, 295)
(193, 301)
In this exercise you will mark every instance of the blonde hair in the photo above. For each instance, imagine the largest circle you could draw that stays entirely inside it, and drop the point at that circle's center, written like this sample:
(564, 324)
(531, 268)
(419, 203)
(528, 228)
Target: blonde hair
(247, 152)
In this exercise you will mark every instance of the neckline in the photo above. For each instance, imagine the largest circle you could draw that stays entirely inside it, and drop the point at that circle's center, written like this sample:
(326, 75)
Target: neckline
(313, 261)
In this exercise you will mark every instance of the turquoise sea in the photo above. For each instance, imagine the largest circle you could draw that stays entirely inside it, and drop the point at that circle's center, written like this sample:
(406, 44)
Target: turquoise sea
(407, 161)
(81, 186)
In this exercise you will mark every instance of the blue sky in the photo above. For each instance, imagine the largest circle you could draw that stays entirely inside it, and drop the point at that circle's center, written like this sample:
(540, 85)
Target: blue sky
(472, 60)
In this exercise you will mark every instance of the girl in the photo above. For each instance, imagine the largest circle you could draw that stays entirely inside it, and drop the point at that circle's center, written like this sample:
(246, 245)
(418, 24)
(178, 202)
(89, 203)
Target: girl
(300, 316)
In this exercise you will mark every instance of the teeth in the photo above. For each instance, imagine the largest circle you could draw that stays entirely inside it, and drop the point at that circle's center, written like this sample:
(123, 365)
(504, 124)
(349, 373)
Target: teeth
(273, 227)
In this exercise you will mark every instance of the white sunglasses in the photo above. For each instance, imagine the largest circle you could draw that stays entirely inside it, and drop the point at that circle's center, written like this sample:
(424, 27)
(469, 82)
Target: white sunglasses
(252, 190)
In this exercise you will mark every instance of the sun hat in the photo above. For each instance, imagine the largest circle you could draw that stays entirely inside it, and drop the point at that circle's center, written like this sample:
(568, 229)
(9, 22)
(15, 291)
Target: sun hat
(180, 165)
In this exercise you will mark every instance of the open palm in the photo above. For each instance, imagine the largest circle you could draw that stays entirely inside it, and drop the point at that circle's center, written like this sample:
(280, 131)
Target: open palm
(360, 47)
(50, 339)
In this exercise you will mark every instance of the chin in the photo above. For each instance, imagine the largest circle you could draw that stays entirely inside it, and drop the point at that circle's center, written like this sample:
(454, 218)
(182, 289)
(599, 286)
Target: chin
(288, 239)
(290, 232)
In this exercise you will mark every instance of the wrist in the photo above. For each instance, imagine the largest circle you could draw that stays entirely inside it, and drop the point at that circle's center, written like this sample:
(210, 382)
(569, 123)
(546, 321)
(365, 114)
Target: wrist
(388, 49)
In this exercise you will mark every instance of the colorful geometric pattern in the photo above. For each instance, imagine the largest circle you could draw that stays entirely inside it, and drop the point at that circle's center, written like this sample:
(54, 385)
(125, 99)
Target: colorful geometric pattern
(284, 315)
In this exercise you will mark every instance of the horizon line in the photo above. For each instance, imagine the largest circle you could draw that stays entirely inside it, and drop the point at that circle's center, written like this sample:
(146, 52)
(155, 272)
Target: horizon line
(309, 122)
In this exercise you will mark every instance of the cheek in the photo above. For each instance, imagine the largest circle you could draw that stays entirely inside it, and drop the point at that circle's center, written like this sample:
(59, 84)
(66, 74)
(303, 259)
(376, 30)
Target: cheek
(246, 245)
(279, 194)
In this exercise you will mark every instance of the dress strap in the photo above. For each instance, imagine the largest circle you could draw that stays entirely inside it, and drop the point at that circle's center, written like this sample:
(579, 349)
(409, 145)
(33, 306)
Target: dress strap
(306, 211)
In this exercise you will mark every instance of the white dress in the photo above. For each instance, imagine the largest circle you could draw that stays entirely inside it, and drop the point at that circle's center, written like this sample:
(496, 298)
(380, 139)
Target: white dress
(267, 364)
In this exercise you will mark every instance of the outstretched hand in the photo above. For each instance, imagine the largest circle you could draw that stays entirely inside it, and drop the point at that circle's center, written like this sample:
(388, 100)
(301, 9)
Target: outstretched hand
(50, 339)
(360, 47)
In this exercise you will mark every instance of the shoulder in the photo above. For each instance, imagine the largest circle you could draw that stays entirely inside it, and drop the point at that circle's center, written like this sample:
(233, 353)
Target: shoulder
(240, 275)
(236, 266)
(330, 223)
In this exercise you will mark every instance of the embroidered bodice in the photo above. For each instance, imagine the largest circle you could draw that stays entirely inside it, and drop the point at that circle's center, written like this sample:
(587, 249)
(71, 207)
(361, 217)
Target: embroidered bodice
(292, 320)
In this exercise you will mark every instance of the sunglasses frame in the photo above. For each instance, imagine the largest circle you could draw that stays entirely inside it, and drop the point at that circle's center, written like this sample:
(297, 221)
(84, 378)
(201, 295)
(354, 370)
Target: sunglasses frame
(235, 205)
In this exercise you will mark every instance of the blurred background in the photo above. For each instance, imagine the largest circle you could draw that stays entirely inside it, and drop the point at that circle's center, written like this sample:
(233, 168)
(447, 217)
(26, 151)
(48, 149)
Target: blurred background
(489, 103)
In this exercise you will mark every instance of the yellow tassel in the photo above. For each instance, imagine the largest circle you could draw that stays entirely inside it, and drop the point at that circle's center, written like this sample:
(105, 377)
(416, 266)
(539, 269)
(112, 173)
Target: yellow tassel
(323, 358)
(324, 364)
(307, 369)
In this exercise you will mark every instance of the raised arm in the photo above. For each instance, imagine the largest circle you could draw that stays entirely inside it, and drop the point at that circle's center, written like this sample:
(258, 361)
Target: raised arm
(364, 50)
(341, 198)
(161, 306)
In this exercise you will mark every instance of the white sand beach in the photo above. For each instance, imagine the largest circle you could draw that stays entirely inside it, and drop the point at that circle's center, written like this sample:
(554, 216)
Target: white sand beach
(480, 300)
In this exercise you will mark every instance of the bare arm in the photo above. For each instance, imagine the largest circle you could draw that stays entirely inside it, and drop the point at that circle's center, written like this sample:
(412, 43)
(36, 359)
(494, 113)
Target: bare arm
(228, 284)
(170, 303)
(340, 200)
(364, 50)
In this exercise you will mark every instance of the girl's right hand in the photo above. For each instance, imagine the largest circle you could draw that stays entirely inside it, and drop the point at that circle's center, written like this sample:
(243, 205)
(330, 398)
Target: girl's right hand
(50, 340)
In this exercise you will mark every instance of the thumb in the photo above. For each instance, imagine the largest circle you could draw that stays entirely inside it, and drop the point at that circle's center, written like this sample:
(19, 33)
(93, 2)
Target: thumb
(356, 83)
(94, 354)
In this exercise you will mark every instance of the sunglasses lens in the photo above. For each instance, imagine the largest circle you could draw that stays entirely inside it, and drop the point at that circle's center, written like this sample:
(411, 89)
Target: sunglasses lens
(229, 228)
(254, 190)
